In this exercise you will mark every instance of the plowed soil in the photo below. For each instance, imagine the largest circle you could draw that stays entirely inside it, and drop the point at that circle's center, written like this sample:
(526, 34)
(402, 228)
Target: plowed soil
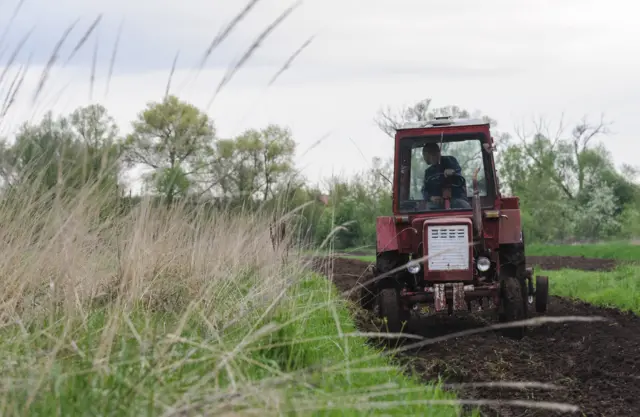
(596, 366)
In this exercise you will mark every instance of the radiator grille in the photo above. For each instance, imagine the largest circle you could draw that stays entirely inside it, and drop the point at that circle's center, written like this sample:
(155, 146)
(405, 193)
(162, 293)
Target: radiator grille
(448, 247)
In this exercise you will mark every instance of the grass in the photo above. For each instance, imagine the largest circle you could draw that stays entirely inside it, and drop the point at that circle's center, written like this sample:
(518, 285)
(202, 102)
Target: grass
(175, 313)
(365, 258)
(616, 289)
(622, 251)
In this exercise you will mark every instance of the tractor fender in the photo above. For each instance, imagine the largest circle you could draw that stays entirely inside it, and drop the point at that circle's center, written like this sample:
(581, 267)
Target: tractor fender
(386, 234)
(510, 227)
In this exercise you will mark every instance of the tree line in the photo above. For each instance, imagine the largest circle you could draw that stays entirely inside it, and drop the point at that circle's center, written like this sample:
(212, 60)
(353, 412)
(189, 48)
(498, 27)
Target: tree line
(569, 186)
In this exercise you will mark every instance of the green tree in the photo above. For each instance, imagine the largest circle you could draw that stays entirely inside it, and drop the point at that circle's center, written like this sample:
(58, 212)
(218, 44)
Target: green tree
(174, 139)
(247, 169)
(64, 153)
(354, 205)
(43, 154)
(98, 134)
(568, 184)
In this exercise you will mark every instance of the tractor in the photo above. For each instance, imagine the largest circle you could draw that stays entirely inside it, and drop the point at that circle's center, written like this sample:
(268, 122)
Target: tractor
(453, 238)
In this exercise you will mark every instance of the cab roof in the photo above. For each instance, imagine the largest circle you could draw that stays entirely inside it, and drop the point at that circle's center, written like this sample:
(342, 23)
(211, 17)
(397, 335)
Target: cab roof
(444, 121)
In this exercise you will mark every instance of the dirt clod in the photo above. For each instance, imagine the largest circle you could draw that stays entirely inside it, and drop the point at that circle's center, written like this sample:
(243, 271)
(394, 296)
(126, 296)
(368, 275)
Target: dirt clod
(596, 365)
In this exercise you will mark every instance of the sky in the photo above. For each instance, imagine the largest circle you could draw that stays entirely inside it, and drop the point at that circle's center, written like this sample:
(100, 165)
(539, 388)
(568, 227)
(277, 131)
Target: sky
(512, 60)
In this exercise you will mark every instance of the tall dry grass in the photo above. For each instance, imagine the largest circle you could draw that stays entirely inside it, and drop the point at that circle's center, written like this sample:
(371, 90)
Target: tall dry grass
(173, 311)
(145, 277)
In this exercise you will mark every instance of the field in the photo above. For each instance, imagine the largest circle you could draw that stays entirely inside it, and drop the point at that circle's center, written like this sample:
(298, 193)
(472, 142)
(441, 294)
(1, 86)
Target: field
(623, 251)
(167, 305)
(592, 365)
(175, 312)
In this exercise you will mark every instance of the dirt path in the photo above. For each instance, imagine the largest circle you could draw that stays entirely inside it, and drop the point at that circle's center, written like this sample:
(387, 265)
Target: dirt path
(597, 365)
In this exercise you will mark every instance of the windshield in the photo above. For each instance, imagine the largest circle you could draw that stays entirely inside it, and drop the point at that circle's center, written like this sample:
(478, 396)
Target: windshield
(426, 169)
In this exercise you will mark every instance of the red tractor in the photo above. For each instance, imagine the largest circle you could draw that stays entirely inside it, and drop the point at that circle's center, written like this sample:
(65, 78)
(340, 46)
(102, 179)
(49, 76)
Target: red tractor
(453, 239)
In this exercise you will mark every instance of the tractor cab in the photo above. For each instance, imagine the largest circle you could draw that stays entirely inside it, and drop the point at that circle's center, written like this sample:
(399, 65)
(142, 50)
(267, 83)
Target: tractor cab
(438, 164)
(452, 238)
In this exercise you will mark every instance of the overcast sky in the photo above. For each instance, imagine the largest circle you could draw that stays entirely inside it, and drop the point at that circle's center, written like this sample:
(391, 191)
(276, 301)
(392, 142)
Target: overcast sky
(512, 60)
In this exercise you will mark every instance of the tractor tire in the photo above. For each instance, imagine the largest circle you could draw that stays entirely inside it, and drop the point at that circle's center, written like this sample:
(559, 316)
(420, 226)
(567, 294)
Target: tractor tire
(386, 262)
(514, 305)
(391, 310)
(513, 289)
(368, 297)
(542, 294)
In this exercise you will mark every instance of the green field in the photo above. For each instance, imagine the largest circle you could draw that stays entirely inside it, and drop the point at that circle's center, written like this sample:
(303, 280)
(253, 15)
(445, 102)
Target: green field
(617, 289)
(618, 250)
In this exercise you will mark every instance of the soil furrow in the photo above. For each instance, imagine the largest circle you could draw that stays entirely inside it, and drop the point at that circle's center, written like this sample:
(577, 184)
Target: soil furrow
(596, 365)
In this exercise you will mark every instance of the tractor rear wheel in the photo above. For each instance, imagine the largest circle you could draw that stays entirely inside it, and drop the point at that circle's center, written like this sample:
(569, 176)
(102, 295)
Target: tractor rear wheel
(542, 293)
(391, 310)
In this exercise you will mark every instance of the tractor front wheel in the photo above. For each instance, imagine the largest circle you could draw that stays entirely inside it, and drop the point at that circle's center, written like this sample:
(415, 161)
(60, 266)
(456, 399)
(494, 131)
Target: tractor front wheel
(367, 296)
(391, 310)
(514, 305)
(542, 293)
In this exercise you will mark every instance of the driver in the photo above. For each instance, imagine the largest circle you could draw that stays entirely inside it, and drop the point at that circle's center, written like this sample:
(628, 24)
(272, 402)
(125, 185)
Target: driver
(446, 166)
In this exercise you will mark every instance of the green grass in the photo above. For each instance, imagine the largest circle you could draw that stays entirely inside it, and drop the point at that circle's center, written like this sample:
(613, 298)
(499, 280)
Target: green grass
(617, 289)
(613, 250)
(152, 361)
(370, 258)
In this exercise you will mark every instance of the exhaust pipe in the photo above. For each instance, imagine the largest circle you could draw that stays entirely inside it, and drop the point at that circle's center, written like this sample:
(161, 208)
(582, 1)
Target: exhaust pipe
(477, 210)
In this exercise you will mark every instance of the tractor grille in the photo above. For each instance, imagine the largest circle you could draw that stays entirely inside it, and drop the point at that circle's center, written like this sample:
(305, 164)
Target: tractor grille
(448, 247)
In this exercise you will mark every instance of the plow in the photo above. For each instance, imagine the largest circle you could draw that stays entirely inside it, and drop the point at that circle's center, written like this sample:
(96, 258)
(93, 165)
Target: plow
(448, 245)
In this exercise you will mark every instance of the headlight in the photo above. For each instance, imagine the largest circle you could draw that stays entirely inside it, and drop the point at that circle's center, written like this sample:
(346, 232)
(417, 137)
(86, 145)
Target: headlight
(413, 267)
(483, 264)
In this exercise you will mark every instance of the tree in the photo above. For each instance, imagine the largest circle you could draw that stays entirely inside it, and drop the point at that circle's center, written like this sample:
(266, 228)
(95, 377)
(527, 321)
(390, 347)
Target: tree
(98, 134)
(64, 152)
(277, 151)
(569, 160)
(249, 167)
(42, 156)
(174, 139)
(354, 206)
(569, 185)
